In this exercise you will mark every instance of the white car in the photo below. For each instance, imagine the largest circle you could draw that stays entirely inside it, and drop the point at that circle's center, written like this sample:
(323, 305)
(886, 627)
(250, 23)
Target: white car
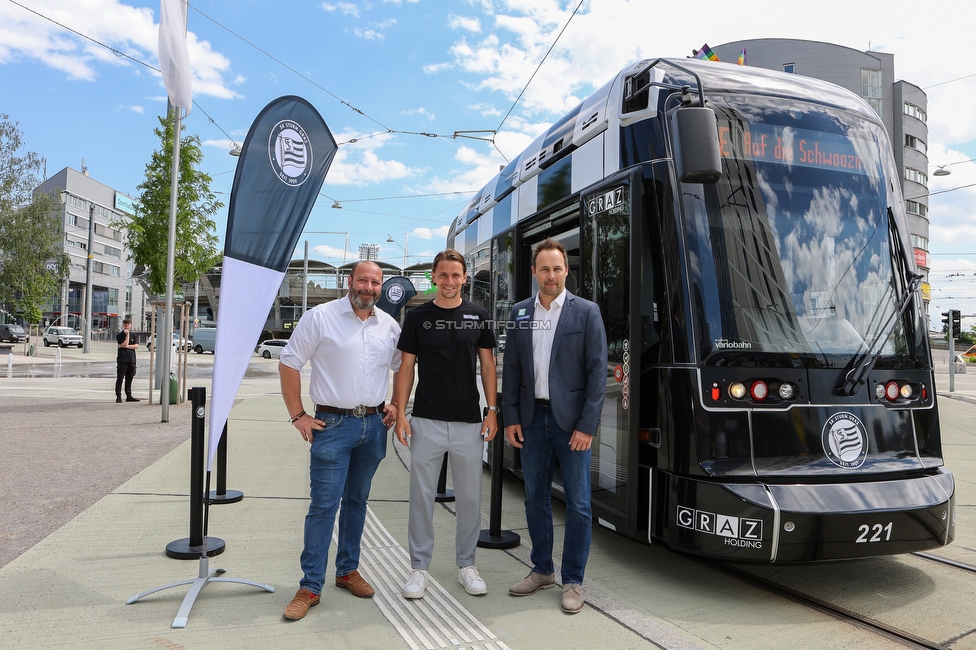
(271, 349)
(187, 343)
(62, 337)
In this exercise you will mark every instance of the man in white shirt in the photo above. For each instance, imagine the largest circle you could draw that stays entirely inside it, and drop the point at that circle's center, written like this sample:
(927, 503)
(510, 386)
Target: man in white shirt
(352, 348)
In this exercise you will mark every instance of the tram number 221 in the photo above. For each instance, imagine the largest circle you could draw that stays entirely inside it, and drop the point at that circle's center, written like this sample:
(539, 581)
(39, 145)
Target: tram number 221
(875, 533)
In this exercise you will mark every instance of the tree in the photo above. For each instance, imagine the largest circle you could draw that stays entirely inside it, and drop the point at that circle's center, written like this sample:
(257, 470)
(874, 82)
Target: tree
(33, 264)
(196, 238)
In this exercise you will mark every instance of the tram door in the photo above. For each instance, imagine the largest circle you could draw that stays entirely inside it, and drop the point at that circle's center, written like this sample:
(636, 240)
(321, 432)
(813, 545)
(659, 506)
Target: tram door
(609, 261)
(601, 239)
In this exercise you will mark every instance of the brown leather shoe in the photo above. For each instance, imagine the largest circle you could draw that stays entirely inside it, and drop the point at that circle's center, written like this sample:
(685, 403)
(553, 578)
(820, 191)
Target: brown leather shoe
(572, 598)
(356, 584)
(299, 605)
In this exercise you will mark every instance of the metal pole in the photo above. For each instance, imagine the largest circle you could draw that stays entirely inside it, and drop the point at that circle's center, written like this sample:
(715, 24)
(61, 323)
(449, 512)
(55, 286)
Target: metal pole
(88, 279)
(167, 330)
(952, 357)
(196, 304)
(305, 281)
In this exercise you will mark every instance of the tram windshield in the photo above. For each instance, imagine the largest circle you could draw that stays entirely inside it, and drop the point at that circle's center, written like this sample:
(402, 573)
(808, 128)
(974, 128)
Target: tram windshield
(792, 258)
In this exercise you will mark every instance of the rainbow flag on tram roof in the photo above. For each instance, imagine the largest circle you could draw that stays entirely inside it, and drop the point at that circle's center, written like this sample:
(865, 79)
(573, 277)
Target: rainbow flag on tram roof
(706, 53)
(742, 57)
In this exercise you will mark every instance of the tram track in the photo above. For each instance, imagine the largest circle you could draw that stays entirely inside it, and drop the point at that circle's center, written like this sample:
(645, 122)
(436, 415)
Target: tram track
(902, 637)
(945, 561)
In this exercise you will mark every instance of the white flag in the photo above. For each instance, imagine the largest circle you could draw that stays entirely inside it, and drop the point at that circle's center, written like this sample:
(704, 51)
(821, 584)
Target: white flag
(174, 62)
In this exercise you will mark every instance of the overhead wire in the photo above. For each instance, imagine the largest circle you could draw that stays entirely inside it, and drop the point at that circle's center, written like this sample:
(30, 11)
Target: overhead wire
(534, 72)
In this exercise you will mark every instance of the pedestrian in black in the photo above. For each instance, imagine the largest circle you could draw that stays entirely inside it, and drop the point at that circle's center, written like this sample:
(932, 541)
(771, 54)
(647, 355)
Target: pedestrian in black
(125, 362)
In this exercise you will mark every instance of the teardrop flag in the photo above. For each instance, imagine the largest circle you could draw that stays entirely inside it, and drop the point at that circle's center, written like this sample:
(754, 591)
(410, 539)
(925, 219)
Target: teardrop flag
(283, 163)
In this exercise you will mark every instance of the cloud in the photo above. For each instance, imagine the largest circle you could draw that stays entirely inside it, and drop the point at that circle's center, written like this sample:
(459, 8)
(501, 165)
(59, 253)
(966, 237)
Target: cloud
(358, 164)
(369, 34)
(462, 22)
(137, 109)
(346, 8)
(127, 30)
(419, 111)
(434, 68)
(330, 252)
(430, 233)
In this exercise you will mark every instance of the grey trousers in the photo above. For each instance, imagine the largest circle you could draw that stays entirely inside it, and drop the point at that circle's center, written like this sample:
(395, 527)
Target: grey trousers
(465, 446)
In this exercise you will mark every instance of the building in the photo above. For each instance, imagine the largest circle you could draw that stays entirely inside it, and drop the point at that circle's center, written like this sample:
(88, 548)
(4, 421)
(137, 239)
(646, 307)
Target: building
(88, 209)
(323, 282)
(901, 105)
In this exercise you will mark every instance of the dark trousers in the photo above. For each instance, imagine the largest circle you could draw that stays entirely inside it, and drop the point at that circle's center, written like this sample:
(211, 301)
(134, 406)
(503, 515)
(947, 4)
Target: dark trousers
(124, 371)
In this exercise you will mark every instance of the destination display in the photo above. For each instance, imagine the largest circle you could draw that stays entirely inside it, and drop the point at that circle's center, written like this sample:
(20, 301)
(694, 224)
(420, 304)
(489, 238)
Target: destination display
(786, 145)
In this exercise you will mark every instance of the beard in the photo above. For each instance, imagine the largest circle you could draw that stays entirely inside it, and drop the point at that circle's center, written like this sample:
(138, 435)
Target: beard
(364, 299)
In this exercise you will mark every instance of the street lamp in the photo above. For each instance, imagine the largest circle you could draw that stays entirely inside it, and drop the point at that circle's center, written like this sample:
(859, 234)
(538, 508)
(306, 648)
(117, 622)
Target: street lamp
(942, 170)
(406, 243)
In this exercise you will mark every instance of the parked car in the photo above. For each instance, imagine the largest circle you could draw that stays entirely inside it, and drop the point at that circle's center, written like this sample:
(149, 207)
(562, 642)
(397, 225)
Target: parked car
(271, 349)
(187, 343)
(62, 337)
(204, 339)
(13, 333)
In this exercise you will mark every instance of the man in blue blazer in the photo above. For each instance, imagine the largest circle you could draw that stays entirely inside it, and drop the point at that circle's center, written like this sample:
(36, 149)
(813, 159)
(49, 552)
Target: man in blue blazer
(555, 381)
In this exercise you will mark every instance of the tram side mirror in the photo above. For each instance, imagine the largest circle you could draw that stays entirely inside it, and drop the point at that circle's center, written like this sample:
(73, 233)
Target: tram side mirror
(694, 133)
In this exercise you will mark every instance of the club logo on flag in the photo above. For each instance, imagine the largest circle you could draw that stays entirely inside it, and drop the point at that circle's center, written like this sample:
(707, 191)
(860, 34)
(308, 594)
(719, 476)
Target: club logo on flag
(395, 293)
(290, 152)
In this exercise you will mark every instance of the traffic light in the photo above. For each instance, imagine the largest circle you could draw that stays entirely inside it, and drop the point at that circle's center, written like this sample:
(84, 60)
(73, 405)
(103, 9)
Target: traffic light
(945, 321)
(956, 325)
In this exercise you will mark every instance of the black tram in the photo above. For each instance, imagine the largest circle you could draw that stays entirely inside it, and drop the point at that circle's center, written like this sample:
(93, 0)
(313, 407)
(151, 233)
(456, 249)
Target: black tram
(770, 390)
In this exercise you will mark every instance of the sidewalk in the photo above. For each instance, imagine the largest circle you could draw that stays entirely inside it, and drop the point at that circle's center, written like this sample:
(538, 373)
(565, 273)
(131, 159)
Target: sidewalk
(70, 589)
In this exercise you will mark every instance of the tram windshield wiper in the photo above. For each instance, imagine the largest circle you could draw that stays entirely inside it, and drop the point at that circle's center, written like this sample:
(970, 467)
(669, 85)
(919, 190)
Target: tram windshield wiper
(860, 366)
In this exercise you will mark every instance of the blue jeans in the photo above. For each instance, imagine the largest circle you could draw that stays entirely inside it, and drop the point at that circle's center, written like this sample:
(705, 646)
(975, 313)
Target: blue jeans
(544, 443)
(344, 457)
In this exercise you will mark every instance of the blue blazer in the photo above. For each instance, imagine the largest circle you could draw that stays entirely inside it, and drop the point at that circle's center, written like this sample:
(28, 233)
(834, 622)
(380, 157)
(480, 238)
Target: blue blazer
(577, 367)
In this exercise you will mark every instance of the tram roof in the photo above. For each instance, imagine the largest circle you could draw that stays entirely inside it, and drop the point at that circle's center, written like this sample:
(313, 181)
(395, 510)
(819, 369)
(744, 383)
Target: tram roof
(570, 131)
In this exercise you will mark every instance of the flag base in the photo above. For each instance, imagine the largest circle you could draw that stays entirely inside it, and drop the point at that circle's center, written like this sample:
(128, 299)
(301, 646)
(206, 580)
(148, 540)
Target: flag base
(230, 496)
(198, 583)
(181, 549)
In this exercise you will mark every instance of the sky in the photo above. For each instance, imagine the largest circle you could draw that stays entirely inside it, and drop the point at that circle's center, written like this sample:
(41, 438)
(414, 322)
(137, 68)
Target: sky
(413, 89)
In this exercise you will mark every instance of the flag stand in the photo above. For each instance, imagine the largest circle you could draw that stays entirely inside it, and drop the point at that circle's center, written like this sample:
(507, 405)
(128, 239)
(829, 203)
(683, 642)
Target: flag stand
(205, 575)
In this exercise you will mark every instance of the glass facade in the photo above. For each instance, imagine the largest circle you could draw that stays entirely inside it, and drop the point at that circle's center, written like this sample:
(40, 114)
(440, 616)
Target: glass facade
(871, 88)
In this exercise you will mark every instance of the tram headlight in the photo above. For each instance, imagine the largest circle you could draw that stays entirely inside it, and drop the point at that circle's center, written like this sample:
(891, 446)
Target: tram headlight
(892, 390)
(759, 391)
(737, 390)
(907, 391)
(787, 391)
(879, 391)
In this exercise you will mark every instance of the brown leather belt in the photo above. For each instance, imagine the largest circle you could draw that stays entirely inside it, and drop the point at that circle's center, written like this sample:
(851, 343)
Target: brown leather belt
(357, 412)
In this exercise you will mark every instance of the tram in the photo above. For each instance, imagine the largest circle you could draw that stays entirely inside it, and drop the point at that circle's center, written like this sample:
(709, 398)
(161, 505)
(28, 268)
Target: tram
(770, 388)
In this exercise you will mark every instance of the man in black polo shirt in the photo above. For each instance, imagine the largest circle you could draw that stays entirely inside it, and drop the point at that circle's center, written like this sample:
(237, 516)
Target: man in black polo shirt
(125, 362)
(448, 335)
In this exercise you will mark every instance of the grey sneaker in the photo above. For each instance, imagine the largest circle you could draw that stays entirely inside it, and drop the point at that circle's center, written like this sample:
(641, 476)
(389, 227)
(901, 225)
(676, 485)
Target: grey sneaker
(416, 584)
(471, 579)
(572, 598)
(533, 583)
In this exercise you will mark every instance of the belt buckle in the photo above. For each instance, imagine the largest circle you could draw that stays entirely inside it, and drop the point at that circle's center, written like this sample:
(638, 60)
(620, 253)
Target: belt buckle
(359, 411)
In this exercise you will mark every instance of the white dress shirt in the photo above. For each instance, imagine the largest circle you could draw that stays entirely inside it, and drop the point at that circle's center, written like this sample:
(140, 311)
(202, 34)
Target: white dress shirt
(543, 332)
(351, 358)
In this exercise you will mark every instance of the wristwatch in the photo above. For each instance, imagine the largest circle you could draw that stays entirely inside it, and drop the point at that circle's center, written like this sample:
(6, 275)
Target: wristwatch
(493, 408)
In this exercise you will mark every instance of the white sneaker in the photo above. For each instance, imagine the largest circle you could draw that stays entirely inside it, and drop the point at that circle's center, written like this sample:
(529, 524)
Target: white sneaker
(471, 579)
(416, 584)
